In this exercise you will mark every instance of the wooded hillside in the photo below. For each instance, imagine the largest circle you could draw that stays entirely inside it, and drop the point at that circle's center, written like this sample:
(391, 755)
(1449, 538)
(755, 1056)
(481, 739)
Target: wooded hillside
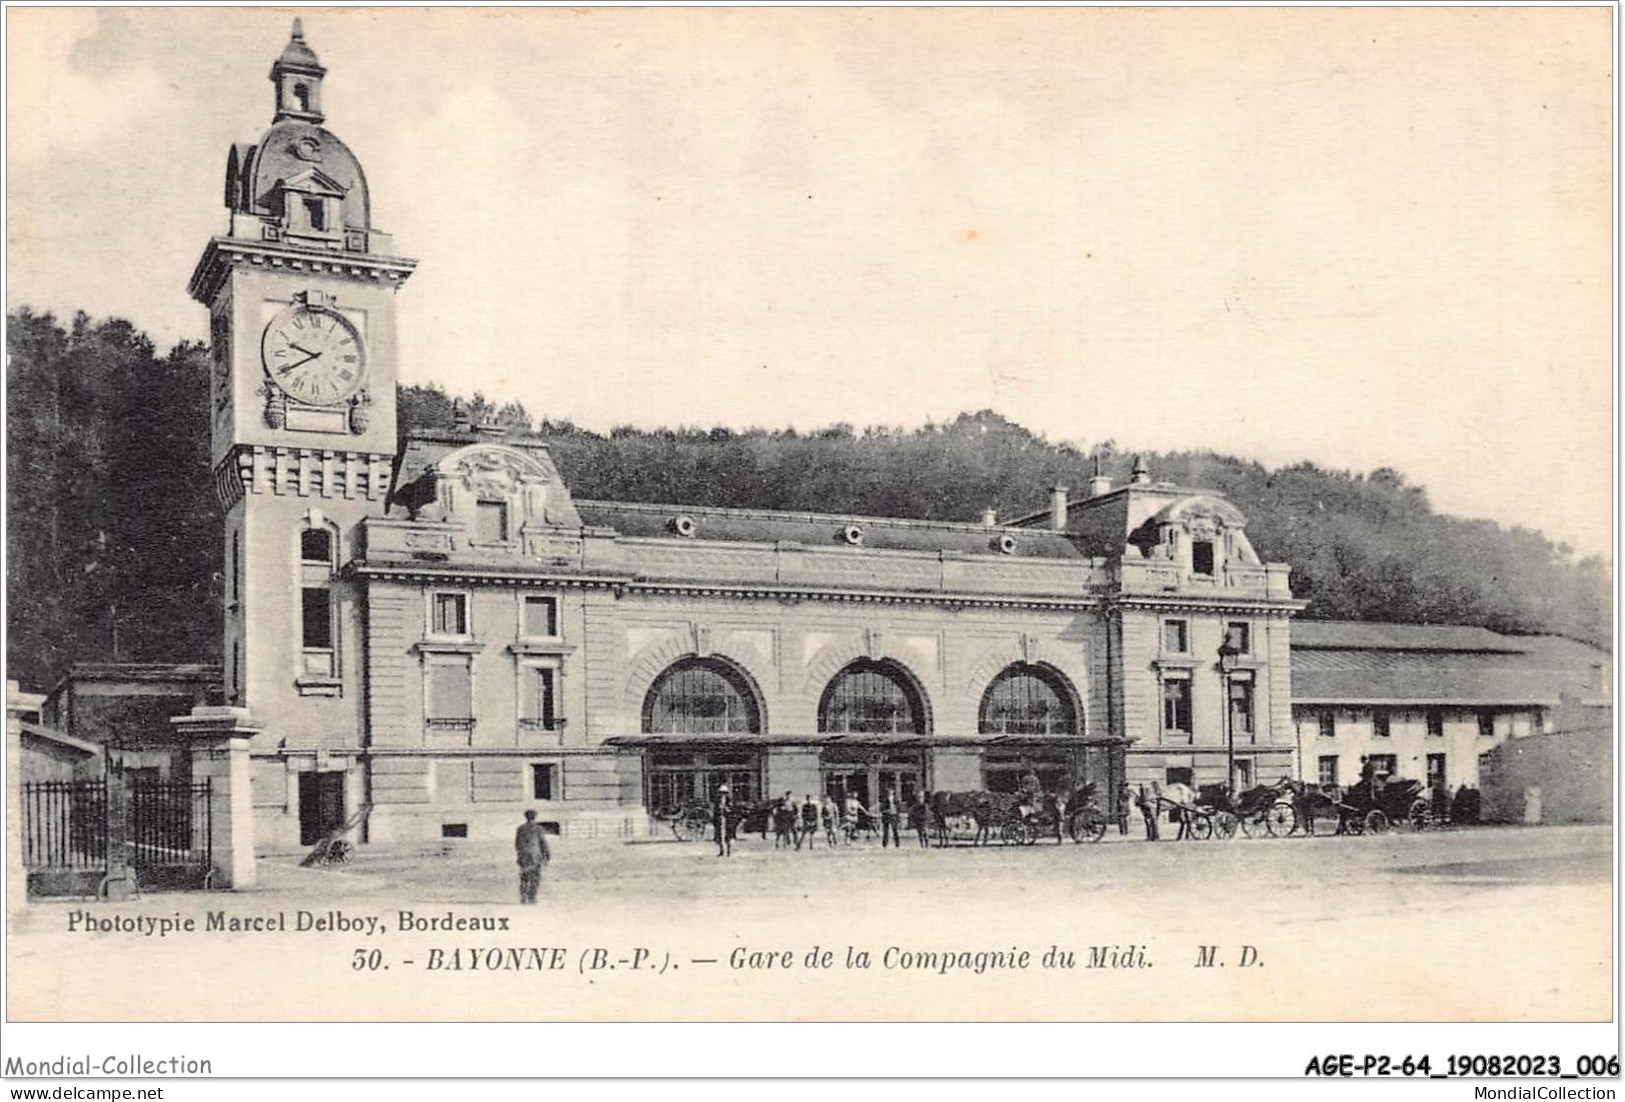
(115, 547)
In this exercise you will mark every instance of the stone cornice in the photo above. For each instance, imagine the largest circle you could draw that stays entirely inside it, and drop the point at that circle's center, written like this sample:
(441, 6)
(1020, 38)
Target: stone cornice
(624, 584)
(1252, 606)
(224, 253)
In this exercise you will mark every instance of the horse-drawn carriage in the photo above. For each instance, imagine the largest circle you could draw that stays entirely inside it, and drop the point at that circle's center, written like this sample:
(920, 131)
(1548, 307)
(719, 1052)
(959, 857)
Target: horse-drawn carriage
(1016, 818)
(1372, 807)
(1263, 809)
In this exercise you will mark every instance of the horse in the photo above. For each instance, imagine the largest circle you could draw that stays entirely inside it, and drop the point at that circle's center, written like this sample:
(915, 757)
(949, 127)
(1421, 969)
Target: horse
(1307, 801)
(983, 809)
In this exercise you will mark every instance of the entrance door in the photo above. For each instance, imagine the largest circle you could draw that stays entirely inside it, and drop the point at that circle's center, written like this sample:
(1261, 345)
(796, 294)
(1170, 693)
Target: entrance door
(841, 783)
(905, 781)
(321, 805)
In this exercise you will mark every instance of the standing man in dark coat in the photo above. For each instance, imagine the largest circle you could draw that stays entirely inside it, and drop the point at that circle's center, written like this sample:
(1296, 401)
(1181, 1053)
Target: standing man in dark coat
(890, 812)
(722, 809)
(1148, 811)
(530, 847)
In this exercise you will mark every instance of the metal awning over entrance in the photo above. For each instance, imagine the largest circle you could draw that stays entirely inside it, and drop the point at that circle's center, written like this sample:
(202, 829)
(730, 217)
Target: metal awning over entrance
(763, 742)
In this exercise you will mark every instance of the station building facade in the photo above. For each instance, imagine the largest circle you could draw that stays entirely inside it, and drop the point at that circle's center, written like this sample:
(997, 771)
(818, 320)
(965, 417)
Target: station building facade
(441, 632)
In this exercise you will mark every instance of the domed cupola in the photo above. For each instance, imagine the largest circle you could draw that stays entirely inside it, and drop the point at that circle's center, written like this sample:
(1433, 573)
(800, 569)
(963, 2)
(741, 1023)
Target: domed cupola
(297, 76)
(301, 184)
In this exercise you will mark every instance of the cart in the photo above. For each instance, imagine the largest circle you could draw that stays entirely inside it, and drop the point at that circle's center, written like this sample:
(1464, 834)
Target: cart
(335, 847)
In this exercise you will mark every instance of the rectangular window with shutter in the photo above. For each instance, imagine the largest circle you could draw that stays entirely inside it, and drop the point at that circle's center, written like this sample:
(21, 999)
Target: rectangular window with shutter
(541, 618)
(1239, 636)
(1328, 769)
(1241, 708)
(1175, 637)
(450, 697)
(543, 783)
(538, 702)
(1176, 706)
(449, 614)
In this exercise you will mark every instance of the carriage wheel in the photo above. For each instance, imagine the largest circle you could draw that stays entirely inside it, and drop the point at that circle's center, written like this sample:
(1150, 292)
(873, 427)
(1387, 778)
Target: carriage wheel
(340, 853)
(1088, 826)
(1201, 827)
(1029, 832)
(1352, 823)
(687, 827)
(1376, 822)
(1421, 815)
(1281, 819)
(1225, 824)
(1253, 823)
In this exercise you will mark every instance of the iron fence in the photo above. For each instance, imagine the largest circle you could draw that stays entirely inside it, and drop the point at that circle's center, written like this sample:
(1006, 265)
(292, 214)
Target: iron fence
(65, 824)
(169, 823)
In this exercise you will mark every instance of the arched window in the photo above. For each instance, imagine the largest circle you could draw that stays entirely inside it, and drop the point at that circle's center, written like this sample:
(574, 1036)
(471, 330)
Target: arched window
(871, 698)
(316, 546)
(1027, 700)
(318, 619)
(702, 696)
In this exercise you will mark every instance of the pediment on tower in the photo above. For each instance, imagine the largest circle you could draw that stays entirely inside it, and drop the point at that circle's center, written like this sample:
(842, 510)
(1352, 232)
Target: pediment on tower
(313, 181)
(502, 484)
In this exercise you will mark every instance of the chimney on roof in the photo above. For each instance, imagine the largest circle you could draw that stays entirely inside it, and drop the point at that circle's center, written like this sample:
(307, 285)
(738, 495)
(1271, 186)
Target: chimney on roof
(990, 517)
(1057, 508)
(1099, 484)
(1142, 472)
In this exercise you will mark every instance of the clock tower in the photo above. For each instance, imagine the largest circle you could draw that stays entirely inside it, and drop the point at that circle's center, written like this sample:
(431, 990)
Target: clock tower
(301, 291)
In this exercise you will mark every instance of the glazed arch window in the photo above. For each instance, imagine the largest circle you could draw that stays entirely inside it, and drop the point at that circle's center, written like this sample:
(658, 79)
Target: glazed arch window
(871, 698)
(702, 696)
(1027, 700)
(1327, 720)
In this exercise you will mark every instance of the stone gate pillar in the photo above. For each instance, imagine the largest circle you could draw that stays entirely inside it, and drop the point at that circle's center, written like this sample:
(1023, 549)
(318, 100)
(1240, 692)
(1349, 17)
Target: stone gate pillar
(219, 739)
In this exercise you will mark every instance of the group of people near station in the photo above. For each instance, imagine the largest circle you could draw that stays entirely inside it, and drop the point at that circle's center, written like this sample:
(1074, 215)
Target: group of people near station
(836, 820)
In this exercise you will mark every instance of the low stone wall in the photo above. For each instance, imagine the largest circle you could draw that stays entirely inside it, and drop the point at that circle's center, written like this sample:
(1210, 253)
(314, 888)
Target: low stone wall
(1563, 777)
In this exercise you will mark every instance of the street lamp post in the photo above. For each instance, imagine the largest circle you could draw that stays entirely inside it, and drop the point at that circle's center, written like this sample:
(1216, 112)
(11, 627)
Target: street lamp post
(1228, 653)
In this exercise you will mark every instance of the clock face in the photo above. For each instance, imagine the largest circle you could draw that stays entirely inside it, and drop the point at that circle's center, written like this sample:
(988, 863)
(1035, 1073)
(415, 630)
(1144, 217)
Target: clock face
(314, 355)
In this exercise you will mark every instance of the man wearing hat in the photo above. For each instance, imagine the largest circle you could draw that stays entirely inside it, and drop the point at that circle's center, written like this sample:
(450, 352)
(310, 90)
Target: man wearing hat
(721, 813)
(530, 846)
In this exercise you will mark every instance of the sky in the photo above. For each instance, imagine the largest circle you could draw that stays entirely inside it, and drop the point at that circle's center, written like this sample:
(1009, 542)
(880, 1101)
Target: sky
(1366, 238)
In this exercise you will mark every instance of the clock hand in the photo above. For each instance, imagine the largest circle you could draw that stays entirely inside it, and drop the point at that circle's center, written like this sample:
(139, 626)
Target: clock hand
(285, 368)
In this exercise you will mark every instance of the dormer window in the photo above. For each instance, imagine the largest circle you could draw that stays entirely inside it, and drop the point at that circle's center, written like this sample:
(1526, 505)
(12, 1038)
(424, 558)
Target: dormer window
(301, 96)
(1202, 558)
(316, 213)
